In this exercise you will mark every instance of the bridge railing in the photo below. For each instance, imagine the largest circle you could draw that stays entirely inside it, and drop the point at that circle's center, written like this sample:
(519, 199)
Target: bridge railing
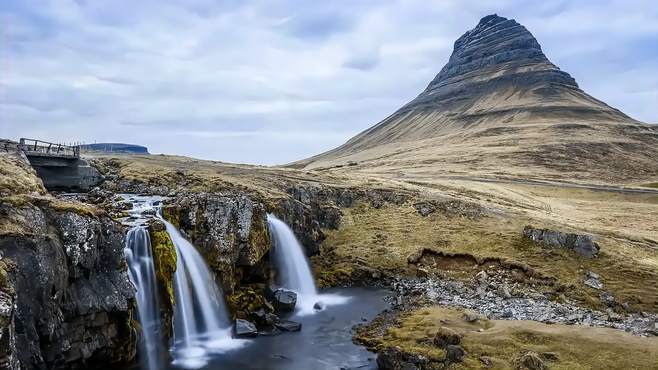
(44, 148)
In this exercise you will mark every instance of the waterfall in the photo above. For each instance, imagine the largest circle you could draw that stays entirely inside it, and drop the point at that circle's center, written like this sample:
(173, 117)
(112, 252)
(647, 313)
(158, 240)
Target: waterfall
(142, 275)
(294, 270)
(201, 320)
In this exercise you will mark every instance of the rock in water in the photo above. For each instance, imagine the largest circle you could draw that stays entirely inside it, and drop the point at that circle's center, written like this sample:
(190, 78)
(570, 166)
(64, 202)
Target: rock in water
(318, 306)
(245, 329)
(285, 300)
(288, 325)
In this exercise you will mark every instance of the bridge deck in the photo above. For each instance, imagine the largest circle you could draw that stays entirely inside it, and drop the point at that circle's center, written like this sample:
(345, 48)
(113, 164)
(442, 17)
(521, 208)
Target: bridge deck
(39, 148)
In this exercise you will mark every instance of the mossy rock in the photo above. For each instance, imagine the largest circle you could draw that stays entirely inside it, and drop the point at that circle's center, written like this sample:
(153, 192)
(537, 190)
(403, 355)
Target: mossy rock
(164, 261)
(247, 300)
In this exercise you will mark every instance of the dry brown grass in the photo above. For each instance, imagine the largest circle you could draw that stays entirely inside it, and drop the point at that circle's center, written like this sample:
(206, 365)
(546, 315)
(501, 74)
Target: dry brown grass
(572, 347)
(17, 177)
(383, 239)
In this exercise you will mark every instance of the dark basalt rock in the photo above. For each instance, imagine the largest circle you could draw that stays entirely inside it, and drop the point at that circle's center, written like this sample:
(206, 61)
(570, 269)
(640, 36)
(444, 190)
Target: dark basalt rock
(284, 300)
(581, 244)
(73, 299)
(455, 353)
(288, 325)
(244, 329)
(230, 229)
(394, 359)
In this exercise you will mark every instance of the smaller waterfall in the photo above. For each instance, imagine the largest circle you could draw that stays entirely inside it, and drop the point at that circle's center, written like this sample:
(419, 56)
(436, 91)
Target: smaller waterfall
(201, 324)
(142, 274)
(294, 270)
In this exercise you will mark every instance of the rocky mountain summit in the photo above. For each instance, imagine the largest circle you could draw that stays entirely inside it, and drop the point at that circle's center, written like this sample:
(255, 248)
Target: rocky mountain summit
(499, 104)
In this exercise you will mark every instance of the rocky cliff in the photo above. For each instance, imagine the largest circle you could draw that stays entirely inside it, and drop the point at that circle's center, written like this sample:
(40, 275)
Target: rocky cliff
(65, 297)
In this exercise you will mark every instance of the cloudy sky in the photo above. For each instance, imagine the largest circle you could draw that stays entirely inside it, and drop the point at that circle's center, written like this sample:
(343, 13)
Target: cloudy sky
(269, 82)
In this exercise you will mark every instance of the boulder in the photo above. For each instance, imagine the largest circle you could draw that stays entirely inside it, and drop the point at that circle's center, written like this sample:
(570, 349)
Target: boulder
(288, 325)
(446, 336)
(425, 208)
(245, 329)
(455, 353)
(584, 245)
(531, 361)
(592, 280)
(284, 300)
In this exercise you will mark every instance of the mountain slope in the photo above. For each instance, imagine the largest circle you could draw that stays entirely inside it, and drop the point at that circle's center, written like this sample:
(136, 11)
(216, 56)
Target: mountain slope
(500, 106)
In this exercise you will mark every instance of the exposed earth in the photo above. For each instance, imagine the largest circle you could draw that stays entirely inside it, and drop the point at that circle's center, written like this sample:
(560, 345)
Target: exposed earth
(513, 215)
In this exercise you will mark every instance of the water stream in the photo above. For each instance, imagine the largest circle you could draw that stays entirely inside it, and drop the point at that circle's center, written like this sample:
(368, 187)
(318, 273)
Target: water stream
(294, 271)
(202, 329)
(201, 320)
(142, 274)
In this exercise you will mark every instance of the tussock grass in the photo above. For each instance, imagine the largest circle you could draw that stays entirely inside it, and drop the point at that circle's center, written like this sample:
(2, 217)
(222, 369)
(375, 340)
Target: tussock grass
(563, 347)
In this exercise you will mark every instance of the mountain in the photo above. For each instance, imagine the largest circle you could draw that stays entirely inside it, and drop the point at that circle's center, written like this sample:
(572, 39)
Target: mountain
(499, 106)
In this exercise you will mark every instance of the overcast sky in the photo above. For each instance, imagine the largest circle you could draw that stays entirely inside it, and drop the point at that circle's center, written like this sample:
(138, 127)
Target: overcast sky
(269, 82)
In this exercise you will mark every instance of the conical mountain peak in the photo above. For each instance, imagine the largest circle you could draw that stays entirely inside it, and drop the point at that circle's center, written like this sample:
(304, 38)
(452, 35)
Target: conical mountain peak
(499, 101)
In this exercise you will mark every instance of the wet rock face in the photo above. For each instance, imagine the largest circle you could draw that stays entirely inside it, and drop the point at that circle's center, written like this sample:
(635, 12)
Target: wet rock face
(584, 245)
(230, 230)
(72, 294)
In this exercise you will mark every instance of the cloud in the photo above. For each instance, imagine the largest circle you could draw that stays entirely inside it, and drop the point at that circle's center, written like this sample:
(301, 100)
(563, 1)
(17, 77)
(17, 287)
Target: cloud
(271, 82)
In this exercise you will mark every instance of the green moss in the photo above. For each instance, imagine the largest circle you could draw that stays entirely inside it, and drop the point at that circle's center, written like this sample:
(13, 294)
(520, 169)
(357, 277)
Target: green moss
(171, 214)
(652, 185)
(164, 258)
(245, 301)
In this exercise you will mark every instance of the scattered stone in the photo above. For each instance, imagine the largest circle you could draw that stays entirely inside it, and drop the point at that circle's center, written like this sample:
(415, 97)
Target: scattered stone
(607, 298)
(284, 300)
(470, 316)
(581, 244)
(531, 361)
(508, 314)
(524, 305)
(245, 329)
(482, 277)
(593, 280)
(504, 292)
(318, 306)
(486, 361)
(288, 325)
(446, 336)
(613, 316)
(455, 353)
(425, 208)
(550, 356)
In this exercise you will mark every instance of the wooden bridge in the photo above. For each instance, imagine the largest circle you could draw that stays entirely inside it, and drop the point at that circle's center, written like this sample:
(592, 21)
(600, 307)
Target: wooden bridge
(39, 148)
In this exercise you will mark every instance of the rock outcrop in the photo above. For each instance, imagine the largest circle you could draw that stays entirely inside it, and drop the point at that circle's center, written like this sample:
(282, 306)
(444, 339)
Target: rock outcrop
(584, 245)
(230, 231)
(72, 296)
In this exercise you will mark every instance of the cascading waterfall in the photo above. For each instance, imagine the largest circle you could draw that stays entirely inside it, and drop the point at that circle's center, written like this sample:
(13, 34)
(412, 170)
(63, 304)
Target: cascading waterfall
(294, 270)
(142, 274)
(201, 320)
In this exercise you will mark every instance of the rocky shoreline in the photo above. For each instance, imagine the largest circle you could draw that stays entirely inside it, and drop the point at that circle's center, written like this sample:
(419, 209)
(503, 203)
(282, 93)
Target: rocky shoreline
(495, 302)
